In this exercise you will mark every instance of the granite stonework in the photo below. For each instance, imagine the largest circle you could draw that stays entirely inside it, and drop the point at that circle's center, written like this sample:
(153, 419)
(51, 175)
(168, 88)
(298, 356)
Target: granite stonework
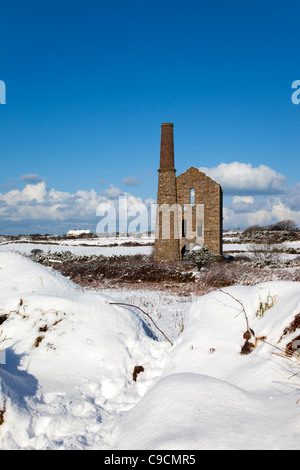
(189, 207)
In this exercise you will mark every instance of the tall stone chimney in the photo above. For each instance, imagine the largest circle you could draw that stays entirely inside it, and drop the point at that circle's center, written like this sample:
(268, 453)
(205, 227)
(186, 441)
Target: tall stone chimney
(167, 146)
(166, 231)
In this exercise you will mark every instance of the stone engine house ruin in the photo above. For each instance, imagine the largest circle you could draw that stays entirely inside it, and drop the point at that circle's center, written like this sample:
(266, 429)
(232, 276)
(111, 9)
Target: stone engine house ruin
(189, 207)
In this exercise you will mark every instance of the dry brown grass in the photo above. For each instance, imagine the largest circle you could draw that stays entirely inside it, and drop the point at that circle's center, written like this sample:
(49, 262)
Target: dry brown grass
(182, 278)
(131, 269)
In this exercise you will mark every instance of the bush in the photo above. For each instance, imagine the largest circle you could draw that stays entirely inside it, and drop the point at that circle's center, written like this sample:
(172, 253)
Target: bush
(219, 275)
(266, 254)
(200, 256)
(284, 225)
(251, 230)
(36, 252)
(136, 268)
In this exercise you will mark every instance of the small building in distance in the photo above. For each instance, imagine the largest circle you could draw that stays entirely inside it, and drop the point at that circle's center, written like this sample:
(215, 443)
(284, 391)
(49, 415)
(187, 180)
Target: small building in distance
(79, 233)
(189, 207)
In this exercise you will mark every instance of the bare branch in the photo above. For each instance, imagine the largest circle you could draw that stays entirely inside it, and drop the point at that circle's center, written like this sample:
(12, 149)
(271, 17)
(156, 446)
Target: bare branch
(243, 308)
(145, 313)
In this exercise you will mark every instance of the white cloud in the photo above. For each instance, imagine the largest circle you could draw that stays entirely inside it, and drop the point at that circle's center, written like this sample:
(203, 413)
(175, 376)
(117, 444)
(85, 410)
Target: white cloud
(31, 178)
(7, 185)
(131, 181)
(112, 191)
(35, 205)
(292, 199)
(259, 195)
(31, 193)
(245, 219)
(242, 179)
(261, 212)
(281, 212)
(244, 204)
(245, 199)
(35, 202)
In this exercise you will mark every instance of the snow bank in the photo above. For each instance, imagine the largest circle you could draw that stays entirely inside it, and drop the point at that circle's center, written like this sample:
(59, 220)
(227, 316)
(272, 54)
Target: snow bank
(212, 397)
(198, 412)
(69, 359)
(70, 354)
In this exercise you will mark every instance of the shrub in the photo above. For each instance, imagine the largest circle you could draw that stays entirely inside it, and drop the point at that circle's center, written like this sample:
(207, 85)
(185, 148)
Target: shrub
(252, 229)
(284, 225)
(219, 275)
(266, 254)
(136, 268)
(200, 256)
(36, 252)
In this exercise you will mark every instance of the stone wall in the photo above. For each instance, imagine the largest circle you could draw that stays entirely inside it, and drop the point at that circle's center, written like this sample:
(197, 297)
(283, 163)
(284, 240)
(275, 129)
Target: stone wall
(208, 193)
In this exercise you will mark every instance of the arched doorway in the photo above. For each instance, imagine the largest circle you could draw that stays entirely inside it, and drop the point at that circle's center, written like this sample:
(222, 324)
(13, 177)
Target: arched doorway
(189, 246)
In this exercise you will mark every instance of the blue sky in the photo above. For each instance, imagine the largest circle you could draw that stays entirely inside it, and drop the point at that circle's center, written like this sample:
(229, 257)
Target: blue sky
(88, 84)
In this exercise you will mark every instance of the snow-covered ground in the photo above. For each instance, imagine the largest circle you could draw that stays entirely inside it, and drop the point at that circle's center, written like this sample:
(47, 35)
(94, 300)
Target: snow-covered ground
(67, 381)
(96, 241)
(78, 249)
(115, 246)
(104, 241)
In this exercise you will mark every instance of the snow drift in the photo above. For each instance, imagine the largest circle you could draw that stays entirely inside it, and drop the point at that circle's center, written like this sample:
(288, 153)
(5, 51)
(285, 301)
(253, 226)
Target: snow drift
(70, 356)
(67, 382)
(212, 397)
